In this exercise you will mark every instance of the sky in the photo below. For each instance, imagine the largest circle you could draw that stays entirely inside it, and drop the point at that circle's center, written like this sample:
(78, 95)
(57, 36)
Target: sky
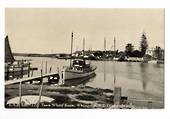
(48, 30)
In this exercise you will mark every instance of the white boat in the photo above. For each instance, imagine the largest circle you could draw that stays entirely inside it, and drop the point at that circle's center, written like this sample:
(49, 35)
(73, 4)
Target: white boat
(78, 68)
(153, 62)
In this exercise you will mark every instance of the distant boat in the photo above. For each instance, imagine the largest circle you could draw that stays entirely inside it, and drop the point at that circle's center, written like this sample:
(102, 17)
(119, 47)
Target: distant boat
(160, 62)
(152, 61)
(156, 62)
(78, 68)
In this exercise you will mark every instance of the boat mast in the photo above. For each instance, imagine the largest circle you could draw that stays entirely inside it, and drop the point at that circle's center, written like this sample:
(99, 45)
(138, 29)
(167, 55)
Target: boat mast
(71, 46)
(105, 44)
(104, 47)
(83, 46)
(114, 47)
(114, 44)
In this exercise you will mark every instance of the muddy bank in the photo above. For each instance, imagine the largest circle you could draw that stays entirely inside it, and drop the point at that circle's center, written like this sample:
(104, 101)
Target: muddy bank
(73, 97)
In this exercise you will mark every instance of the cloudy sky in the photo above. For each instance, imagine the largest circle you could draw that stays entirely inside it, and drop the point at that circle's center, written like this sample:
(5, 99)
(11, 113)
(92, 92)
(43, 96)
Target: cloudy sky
(49, 30)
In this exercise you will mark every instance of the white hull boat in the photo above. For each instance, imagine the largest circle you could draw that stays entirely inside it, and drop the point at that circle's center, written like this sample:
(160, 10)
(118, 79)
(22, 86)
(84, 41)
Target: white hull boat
(79, 68)
(70, 73)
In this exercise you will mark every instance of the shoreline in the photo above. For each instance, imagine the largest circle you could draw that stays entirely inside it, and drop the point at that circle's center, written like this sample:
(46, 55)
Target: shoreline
(76, 97)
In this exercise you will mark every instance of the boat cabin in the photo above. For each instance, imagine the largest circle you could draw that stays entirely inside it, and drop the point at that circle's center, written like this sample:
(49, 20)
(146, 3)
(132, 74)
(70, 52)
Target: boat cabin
(80, 64)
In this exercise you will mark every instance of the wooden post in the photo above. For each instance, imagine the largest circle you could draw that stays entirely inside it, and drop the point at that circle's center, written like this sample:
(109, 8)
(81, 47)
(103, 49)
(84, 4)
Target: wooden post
(42, 66)
(46, 67)
(22, 71)
(117, 95)
(41, 88)
(20, 94)
(58, 69)
(29, 70)
(149, 104)
(32, 73)
(41, 75)
(31, 76)
(7, 73)
(13, 72)
(50, 69)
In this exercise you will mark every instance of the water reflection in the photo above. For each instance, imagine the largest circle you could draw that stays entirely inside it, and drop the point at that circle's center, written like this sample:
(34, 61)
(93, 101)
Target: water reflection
(104, 71)
(130, 70)
(80, 81)
(114, 74)
(143, 72)
(158, 65)
(129, 75)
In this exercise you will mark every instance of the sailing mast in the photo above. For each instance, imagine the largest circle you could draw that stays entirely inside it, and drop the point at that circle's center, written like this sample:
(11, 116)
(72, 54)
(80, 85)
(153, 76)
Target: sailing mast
(83, 46)
(104, 60)
(104, 44)
(71, 46)
(114, 47)
(114, 44)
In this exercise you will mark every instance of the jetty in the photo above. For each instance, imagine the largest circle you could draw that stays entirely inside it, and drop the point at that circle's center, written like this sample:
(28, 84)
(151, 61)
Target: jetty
(35, 78)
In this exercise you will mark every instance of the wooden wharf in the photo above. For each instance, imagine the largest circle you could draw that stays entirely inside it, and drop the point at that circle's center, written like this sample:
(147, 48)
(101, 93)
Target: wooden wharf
(28, 79)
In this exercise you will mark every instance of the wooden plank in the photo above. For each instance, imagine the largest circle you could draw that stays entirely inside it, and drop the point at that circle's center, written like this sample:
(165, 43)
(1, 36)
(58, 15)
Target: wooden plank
(29, 79)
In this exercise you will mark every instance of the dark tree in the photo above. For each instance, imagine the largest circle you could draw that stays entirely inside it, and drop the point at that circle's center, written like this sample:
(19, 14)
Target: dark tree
(129, 49)
(143, 44)
(157, 53)
(136, 53)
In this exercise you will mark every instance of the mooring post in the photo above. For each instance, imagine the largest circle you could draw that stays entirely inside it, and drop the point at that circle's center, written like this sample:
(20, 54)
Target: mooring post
(41, 72)
(29, 69)
(50, 69)
(117, 95)
(7, 73)
(46, 67)
(58, 69)
(42, 66)
(41, 88)
(49, 76)
(13, 72)
(22, 73)
(149, 104)
(31, 76)
(32, 73)
(20, 94)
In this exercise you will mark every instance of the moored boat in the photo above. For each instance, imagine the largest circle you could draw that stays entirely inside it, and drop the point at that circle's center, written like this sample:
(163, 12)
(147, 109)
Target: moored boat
(15, 68)
(78, 68)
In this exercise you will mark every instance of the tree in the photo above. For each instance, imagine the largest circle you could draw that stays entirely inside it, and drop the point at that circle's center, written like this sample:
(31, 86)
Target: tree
(157, 53)
(143, 44)
(129, 49)
(136, 53)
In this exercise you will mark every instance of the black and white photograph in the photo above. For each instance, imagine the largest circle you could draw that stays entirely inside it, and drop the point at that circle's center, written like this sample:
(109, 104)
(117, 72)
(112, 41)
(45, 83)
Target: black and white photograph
(84, 58)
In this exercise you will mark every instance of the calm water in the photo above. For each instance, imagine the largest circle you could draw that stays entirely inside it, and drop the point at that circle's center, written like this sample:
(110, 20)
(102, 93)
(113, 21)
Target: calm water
(138, 80)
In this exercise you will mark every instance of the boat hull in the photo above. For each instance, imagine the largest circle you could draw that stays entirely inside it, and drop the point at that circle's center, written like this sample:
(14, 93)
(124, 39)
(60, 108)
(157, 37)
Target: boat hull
(69, 74)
